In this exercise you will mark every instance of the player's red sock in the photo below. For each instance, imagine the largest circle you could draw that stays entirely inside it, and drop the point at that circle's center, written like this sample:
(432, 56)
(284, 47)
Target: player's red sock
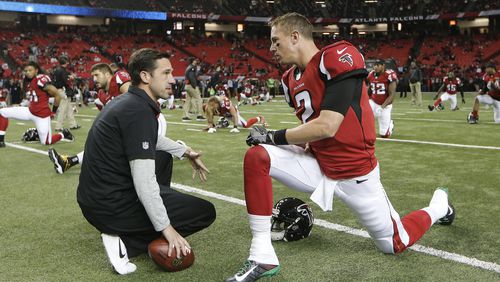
(416, 224)
(438, 101)
(251, 122)
(55, 138)
(258, 182)
(4, 123)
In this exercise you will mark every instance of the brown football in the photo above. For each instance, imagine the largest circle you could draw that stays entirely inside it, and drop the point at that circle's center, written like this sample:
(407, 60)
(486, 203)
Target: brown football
(158, 250)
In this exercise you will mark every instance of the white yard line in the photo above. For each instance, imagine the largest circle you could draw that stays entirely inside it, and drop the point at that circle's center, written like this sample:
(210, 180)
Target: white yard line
(439, 144)
(491, 266)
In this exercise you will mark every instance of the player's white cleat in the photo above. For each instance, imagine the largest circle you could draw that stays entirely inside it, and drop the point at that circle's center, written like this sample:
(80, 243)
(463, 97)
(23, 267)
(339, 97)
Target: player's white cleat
(117, 254)
(450, 215)
(234, 130)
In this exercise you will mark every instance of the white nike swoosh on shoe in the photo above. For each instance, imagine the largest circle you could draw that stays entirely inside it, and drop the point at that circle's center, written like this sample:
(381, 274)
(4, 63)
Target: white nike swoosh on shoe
(241, 278)
(341, 51)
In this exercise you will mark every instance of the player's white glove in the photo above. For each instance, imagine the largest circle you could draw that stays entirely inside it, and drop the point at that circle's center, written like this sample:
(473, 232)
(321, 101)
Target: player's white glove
(212, 130)
(234, 130)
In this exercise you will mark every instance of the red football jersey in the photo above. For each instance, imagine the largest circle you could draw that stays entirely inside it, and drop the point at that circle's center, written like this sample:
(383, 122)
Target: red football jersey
(224, 106)
(379, 85)
(221, 90)
(351, 152)
(451, 85)
(493, 84)
(39, 99)
(248, 89)
(118, 79)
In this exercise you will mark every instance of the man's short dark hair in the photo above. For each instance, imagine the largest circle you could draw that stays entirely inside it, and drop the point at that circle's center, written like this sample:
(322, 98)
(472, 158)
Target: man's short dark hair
(35, 65)
(102, 67)
(144, 60)
(379, 62)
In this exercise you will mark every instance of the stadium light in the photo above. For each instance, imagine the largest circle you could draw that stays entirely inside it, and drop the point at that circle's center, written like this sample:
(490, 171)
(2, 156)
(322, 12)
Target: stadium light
(270, 1)
(400, 26)
(453, 22)
(371, 1)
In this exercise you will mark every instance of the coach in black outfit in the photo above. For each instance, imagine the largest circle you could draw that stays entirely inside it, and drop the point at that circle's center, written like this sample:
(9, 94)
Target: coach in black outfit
(119, 193)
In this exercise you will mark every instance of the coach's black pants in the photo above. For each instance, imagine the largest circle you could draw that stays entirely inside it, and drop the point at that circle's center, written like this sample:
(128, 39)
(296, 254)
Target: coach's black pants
(188, 214)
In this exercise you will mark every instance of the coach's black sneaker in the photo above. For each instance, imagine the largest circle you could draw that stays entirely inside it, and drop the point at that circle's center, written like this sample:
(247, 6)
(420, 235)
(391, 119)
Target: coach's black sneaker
(67, 136)
(2, 144)
(61, 163)
(201, 118)
(252, 271)
(186, 119)
(450, 215)
(431, 108)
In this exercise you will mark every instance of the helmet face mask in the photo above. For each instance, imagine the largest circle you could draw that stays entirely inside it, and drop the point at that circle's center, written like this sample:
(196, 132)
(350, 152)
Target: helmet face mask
(222, 123)
(292, 220)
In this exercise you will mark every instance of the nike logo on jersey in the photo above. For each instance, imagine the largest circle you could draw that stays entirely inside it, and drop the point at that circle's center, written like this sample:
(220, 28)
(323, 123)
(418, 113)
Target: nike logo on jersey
(361, 181)
(242, 277)
(341, 51)
(120, 253)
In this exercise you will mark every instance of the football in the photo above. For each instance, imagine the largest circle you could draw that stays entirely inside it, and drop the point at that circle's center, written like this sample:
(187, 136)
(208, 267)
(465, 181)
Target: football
(158, 250)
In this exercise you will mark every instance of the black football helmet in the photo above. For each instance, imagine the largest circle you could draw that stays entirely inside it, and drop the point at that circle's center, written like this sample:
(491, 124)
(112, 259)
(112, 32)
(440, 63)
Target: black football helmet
(292, 220)
(30, 135)
(222, 123)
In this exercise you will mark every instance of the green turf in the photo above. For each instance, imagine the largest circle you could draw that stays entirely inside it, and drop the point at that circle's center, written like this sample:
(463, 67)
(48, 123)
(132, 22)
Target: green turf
(44, 237)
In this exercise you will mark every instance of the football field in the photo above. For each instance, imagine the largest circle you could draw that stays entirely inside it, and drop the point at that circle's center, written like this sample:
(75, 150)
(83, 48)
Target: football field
(44, 237)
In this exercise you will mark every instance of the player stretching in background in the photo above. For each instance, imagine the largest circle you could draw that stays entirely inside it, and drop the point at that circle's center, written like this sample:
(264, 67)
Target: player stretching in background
(222, 106)
(488, 95)
(451, 84)
(39, 89)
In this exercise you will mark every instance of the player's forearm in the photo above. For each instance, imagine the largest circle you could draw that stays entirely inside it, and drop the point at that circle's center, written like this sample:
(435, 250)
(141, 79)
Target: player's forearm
(388, 101)
(325, 126)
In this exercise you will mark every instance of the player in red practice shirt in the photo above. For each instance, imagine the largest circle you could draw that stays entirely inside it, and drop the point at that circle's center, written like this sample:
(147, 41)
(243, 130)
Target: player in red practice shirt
(39, 89)
(327, 90)
(110, 85)
(382, 86)
(451, 85)
(488, 95)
